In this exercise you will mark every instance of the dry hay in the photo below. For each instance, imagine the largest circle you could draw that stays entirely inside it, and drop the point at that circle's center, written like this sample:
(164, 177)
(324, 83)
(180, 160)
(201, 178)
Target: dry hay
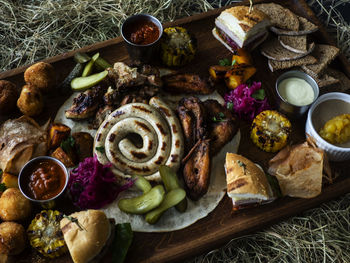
(34, 30)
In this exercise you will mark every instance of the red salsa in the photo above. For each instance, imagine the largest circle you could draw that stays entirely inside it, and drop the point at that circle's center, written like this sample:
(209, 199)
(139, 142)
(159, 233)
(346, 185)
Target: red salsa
(144, 33)
(43, 180)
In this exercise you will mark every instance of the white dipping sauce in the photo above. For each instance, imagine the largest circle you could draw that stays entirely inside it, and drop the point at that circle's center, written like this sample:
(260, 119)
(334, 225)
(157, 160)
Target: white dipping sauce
(296, 91)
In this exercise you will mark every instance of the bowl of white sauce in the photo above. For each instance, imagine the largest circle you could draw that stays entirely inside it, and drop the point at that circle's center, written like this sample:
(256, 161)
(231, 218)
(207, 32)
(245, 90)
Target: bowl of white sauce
(296, 91)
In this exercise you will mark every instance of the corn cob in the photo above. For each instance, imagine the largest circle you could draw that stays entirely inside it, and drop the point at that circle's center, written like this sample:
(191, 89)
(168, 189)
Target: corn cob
(270, 131)
(337, 130)
(178, 47)
(45, 234)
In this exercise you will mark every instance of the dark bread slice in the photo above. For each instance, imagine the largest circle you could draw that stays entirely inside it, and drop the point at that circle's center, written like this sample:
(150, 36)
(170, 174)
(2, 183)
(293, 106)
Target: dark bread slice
(274, 50)
(276, 65)
(324, 54)
(297, 44)
(279, 16)
(325, 80)
(305, 28)
(344, 81)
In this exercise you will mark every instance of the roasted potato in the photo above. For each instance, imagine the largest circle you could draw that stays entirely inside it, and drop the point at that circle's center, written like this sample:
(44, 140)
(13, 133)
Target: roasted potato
(13, 238)
(83, 145)
(8, 96)
(63, 157)
(10, 181)
(238, 74)
(57, 133)
(30, 101)
(14, 206)
(41, 75)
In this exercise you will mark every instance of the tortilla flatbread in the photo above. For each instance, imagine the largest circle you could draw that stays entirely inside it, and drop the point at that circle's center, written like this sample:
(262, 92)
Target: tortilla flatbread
(172, 219)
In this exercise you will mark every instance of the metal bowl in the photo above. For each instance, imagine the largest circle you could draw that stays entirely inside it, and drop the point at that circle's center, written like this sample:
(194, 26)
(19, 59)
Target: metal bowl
(291, 110)
(141, 53)
(49, 203)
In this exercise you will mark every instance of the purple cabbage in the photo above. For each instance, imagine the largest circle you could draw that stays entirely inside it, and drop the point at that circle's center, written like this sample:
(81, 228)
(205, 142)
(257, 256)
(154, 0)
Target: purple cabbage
(93, 185)
(244, 104)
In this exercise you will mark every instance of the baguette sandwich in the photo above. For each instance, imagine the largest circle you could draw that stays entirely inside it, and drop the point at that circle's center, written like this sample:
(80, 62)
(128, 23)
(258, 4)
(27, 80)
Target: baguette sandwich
(236, 28)
(247, 183)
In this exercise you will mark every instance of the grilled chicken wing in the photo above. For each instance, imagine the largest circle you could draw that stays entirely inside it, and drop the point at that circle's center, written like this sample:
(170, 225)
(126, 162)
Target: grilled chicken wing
(222, 125)
(186, 83)
(196, 171)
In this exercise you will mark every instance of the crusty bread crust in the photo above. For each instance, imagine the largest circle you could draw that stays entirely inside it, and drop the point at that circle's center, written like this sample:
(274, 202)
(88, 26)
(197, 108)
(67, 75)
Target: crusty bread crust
(276, 65)
(305, 28)
(245, 18)
(244, 177)
(297, 44)
(84, 244)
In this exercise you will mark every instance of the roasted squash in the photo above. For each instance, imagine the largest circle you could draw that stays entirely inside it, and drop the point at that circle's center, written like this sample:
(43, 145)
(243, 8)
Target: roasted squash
(243, 57)
(10, 181)
(238, 74)
(57, 133)
(218, 72)
(63, 157)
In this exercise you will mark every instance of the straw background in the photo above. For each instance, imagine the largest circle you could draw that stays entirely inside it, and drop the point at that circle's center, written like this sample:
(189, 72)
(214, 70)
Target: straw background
(31, 30)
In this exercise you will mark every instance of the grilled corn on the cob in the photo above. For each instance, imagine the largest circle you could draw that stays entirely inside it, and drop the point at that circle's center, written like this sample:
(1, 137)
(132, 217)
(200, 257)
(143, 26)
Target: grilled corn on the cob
(337, 130)
(178, 47)
(270, 130)
(45, 234)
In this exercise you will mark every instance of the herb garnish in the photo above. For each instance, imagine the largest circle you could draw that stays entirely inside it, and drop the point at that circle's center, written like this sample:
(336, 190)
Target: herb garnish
(2, 187)
(259, 94)
(75, 221)
(100, 149)
(226, 62)
(68, 144)
(229, 105)
(242, 164)
(219, 117)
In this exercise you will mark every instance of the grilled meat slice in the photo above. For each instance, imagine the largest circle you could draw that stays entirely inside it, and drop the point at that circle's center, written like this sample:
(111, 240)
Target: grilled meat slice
(223, 125)
(196, 171)
(186, 83)
(187, 123)
(86, 103)
(83, 145)
(101, 115)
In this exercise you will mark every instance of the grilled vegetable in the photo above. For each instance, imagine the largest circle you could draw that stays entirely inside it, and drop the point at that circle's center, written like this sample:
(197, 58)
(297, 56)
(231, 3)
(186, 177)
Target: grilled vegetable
(218, 72)
(57, 133)
(63, 157)
(45, 235)
(238, 74)
(143, 203)
(178, 47)
(270, 130)
(10, 181)
(337, 130)
(243, 57)
(171, 199)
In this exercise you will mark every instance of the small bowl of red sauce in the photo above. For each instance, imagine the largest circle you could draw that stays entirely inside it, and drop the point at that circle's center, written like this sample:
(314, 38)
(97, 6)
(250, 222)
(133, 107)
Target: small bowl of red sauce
(141, 34)
(43, 179)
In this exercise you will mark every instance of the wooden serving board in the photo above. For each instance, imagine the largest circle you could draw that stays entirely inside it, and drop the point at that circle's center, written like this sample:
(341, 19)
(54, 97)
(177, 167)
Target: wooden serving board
(221, 225)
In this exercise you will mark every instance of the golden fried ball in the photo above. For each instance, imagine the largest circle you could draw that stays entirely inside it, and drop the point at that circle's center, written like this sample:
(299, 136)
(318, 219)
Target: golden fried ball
(8, 96)
(41, 75)
(14, 206)
(13, 238)
(30, 101)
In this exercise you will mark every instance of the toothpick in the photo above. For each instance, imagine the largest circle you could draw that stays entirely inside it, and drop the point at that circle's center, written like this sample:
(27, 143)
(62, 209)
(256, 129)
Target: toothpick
(250, 6)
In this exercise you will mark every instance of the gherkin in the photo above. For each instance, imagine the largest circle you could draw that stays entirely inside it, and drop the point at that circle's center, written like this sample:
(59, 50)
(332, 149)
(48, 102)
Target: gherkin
(270, 131)
(178, 47)
(45, 235)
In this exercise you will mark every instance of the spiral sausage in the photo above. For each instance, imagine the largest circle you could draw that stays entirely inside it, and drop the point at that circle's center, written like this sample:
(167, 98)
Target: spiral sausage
(162, 139)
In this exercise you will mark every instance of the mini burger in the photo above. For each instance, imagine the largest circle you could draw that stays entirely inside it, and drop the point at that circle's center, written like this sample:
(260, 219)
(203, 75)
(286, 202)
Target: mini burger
(236, 28)
(247, 183)
(87, 235)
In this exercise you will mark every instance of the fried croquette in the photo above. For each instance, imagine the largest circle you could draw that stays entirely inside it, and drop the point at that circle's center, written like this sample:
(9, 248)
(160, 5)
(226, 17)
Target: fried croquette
(8, 96)
(30, 101)
(13, 238)
(41, 75)
(14, 206)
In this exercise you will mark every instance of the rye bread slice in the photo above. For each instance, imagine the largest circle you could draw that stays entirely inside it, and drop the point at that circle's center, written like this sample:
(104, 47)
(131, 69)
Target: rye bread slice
(272, 49)
(326, 80)
(280, 16)
(297, 44)
(344, 81)
(276, 65)
(305, 28)
(324, 54)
